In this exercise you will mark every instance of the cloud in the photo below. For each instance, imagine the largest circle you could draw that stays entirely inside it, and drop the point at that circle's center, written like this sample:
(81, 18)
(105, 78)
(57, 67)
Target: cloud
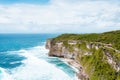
(60, 16)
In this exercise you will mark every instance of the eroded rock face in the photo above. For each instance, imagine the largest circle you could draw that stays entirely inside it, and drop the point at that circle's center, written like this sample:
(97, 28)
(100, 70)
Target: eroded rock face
(48, 44)
(58, 49)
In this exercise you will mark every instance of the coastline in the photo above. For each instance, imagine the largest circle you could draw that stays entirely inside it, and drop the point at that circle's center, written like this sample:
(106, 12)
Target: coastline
(93, 56)
(54, 50)
(80, 74)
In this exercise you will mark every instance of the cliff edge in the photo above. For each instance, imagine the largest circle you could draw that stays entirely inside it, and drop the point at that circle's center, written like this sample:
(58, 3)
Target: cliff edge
(95, 59)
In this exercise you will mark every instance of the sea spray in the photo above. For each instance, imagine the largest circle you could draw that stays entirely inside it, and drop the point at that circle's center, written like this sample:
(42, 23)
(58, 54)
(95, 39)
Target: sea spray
(20, 60)
(35, 66)
(4, 75)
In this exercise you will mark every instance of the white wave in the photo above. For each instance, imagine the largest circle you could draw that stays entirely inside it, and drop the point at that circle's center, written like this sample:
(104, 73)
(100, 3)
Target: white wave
(15, 62)
(36, 68)
(38, 51)
(4, 75)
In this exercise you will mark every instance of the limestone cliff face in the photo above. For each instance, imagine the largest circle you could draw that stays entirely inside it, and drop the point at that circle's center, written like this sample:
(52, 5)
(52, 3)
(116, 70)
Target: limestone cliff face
(75, 50)
(57, 48)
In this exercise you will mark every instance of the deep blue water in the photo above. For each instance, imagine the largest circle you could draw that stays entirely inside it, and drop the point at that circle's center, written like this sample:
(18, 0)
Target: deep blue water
(25, 54)
(12, 42)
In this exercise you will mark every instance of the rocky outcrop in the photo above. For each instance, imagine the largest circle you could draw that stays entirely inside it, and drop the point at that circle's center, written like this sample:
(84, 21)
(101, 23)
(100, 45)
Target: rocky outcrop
(57, 49)
(72, 49)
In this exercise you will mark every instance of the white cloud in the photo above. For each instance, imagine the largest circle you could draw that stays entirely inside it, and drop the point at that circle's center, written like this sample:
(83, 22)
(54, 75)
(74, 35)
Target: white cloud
(60, 16)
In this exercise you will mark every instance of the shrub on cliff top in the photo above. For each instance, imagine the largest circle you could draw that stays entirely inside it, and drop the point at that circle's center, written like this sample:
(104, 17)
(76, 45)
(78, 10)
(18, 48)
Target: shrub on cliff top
(112, 37)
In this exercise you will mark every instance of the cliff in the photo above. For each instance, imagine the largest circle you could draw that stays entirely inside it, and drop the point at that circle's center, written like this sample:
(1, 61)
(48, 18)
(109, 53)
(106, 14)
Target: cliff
(97, 60)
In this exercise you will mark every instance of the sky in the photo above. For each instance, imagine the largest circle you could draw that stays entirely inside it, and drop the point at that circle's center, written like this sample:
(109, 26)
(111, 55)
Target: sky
(59, 16)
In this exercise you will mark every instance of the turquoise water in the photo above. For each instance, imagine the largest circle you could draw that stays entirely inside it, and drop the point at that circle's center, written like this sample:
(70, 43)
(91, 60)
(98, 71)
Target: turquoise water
(24, 57)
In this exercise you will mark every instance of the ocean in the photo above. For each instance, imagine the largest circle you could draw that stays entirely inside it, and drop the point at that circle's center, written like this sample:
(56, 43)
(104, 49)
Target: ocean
(24, 57)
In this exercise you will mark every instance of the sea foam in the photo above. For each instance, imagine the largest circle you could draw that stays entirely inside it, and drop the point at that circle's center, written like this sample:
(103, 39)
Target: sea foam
(4, 75)
(35, 67)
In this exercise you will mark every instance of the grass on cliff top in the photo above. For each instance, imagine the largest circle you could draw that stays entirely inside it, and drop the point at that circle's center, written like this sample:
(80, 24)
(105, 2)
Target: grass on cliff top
(97, 68)
(112, 37)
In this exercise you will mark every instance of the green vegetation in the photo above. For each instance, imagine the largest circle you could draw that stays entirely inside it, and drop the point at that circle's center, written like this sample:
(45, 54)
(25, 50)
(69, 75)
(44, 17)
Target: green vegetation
(112, 37)
(82, 46)
(69, 47)
(96, 65)
(114, 55)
